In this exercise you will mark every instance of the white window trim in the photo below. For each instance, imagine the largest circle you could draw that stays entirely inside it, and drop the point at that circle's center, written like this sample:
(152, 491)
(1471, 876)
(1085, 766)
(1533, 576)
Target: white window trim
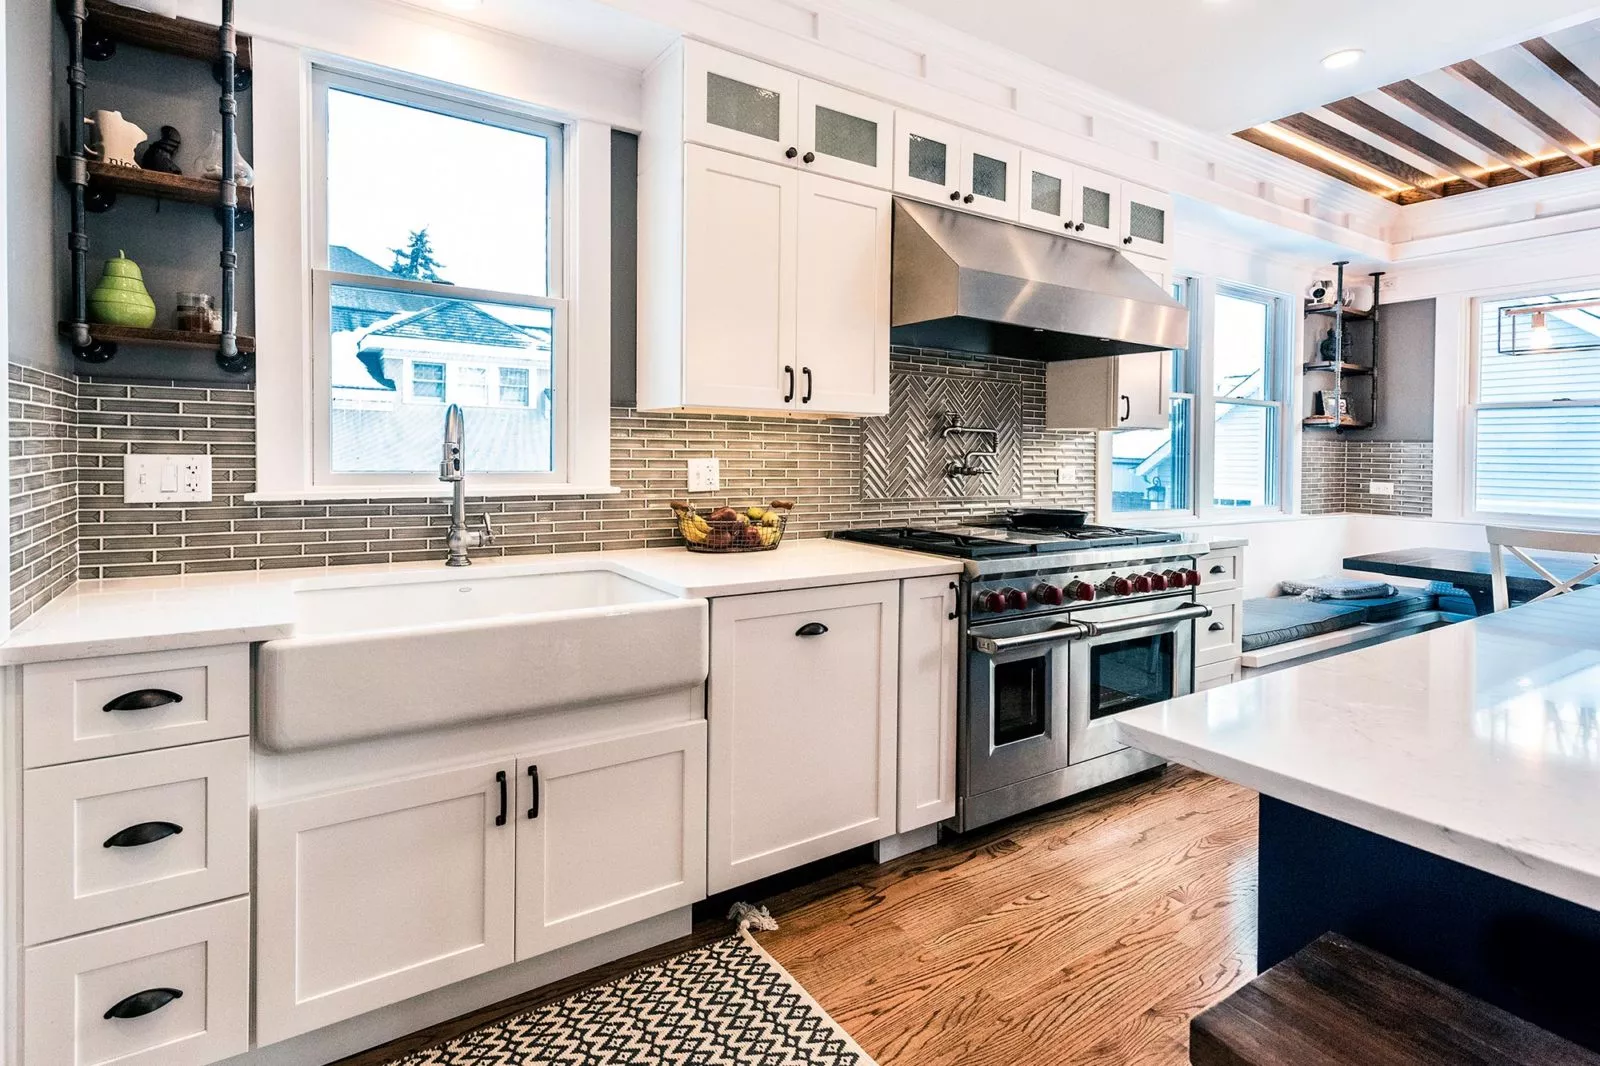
(285, 140)
(1191, 361)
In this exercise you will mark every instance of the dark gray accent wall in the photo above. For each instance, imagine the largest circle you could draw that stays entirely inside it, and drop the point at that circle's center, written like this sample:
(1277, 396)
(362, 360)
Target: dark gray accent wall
(624, 267)
(1405, 374)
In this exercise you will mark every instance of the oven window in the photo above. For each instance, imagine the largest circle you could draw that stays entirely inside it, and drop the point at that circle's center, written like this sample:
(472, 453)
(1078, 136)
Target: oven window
(1021, 690)
(1130, 673)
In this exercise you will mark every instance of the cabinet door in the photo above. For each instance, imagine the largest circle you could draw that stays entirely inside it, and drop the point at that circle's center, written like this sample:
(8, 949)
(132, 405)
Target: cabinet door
(609, 834)
(741, 105)
(846, 135)
(375, 894)
(927, 158)
(1046, 194)
(930, 650)
(1082, 394)
(990, 176)
(1097, 200)
(802, 712)
(739, 282)
(1146, 220)
(842, 319)
(1144, 383)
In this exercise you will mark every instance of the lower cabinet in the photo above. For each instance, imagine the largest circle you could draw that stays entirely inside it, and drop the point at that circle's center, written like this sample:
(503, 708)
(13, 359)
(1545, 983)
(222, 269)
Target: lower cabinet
(930, 654)
(372, 895)
(802, 709)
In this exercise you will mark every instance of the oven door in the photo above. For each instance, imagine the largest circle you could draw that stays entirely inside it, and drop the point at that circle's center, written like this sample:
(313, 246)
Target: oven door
(1015, 714)
(1134, 659)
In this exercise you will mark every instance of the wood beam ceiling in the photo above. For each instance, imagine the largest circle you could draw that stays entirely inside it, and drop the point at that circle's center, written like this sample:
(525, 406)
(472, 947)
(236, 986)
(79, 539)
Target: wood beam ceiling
(1369, 118)
(1337, 140)
(1316, 162)
(1565, 69)
(1425, 103)
(1477, 74)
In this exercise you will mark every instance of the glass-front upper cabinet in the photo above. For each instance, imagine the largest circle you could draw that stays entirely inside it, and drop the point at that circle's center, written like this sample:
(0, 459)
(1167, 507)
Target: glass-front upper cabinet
(846, 135)
(1046, 193)
(1146, 220)
(991, 176)
(1097, 201)
(740, 105)
(927, 158)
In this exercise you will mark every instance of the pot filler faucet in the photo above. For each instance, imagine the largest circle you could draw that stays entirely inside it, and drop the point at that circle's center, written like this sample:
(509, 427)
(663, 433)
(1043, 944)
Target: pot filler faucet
(452, 469)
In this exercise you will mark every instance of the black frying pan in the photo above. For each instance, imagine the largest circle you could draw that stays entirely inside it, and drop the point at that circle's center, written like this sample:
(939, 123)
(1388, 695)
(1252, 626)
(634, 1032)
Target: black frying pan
(1047, 518)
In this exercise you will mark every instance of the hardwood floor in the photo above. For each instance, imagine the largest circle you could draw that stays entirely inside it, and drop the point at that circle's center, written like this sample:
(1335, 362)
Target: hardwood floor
(1086, 934)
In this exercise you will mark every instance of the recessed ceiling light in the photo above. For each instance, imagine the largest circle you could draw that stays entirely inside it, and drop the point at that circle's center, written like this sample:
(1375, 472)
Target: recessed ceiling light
(1344, 57)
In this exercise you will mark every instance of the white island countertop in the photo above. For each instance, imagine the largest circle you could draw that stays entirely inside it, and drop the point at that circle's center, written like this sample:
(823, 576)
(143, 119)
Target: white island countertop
(1478, 742)
(131, 615)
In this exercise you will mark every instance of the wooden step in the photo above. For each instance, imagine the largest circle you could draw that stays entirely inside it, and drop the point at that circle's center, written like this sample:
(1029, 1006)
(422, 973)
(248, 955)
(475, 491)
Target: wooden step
(1336, 1003)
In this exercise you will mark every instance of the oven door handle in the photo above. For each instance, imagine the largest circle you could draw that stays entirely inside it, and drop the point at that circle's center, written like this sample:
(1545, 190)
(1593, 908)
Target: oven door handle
(1081, 630)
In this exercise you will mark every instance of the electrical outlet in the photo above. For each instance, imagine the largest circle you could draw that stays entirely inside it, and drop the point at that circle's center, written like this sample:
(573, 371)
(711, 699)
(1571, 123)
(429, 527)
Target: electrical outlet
(1066, 475)
(705, 475)
(1381, 488)
(166, 479)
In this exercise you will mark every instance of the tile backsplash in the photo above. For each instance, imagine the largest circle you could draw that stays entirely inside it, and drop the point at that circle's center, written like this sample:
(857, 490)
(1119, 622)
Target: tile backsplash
(1337, 475)
(69, 453)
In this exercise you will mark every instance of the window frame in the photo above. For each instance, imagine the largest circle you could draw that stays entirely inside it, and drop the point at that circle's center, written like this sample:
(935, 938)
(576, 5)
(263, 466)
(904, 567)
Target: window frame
(1275, 390)
(326, 79)
(1472, 405)
(1185, 373)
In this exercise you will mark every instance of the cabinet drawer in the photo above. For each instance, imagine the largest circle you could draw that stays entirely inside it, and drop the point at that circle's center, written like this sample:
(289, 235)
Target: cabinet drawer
(88, 708)
(1217, 674)
(117, 839)
(1221, 570)
(203, 955)
(1217, 637)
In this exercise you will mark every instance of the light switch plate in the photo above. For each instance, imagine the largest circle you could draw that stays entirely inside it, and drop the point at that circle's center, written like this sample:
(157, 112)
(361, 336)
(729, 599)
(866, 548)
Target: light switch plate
(1381, 488)
(166, 479)
(705, 475)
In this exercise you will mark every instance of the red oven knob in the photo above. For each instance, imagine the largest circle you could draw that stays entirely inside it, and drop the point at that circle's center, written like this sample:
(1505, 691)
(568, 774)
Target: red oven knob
(990, 603)
(1116, 586)
(1191, 578)
(1081, 590)
(1016, 599)
(1158, 583)
(1049, 594)
(1175, 579)
(1141, 582)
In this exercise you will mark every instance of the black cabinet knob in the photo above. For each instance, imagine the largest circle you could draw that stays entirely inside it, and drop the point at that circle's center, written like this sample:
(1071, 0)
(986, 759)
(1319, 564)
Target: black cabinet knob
(791, 153)
(1079, 227)
(955, 196)
(967, 199)
(809, 157)
(1127, 240)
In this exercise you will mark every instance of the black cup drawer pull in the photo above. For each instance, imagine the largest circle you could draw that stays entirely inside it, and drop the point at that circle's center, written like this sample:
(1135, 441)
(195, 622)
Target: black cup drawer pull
(141, 1003)
(137, 836)
(1216, 627)
(811, 629)
(143, 700)
(1219, 569)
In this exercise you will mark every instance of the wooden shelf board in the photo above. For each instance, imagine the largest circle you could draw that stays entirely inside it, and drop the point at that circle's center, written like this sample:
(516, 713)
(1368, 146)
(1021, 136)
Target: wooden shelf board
(159, 338)
(179, 37)
(177, 188)
(1347, 369)
(1326, 422)
(1350, 313)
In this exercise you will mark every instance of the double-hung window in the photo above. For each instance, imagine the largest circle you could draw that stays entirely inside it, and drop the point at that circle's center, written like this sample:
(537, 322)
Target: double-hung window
(1153, 469)
(436, 273)
(1534, 419)
(1247, 382)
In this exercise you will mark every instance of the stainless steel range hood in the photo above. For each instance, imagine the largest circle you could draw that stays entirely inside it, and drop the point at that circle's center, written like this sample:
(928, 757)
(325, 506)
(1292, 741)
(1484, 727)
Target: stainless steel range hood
(973, 284)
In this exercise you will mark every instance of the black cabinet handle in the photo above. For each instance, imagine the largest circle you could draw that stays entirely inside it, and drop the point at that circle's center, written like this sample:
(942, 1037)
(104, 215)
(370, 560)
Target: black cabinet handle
(500, 779)
(141, 1003)
(533, 804)
(137, 836)
(811, 629)
(789, 396)
(1216, 627)
(955, 196)
(1127, 409)
(952, 616)
(143, 700)
(967, 199)
(791, 153)
(1219, 569)
(809, 157)
(806, 370)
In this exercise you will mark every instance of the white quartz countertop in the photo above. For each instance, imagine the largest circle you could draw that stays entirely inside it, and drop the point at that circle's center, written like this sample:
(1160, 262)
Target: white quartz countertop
(157, 614)
(1478, 742)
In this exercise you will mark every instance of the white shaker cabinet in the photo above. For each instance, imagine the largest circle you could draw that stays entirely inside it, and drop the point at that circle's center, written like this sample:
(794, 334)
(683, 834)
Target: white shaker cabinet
(846, 135)
(739, 104)
(930, 654)
(371, 895)
(1118, 392)
(842, 296)
(802, 709)
(1097, 204)
(991, 175)
(1046, 195)
(1146, 221)
(927, 158)
(608, 834)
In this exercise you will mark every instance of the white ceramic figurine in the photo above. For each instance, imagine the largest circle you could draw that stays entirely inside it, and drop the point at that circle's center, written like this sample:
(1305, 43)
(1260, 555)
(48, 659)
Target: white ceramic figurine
(117, 138)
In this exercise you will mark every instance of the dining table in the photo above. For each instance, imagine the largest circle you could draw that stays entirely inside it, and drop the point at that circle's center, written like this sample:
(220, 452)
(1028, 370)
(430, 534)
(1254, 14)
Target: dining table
(1473, 571)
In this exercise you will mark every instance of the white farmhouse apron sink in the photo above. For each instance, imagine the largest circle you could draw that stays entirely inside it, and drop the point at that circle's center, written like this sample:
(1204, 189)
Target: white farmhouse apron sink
(437, 650)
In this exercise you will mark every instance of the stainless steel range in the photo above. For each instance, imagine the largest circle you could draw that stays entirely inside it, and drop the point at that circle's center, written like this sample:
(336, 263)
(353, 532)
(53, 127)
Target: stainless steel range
(1063, 630)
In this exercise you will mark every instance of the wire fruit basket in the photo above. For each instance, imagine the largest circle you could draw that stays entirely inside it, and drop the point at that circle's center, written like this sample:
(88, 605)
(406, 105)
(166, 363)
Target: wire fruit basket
(727, 530)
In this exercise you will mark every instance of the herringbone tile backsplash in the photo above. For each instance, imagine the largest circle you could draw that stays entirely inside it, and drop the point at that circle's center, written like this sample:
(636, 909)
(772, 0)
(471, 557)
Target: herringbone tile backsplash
(69, 441)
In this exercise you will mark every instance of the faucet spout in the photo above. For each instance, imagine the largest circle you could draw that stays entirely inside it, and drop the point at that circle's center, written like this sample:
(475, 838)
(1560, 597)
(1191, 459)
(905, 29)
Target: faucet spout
(453, 471)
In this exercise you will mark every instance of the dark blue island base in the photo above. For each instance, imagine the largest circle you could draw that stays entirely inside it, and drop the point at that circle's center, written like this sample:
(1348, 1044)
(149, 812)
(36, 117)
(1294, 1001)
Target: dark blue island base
(1522, 950)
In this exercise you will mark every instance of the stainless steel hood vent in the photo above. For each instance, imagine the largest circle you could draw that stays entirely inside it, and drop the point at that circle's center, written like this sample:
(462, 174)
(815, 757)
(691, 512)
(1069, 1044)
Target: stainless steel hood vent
(972, 284)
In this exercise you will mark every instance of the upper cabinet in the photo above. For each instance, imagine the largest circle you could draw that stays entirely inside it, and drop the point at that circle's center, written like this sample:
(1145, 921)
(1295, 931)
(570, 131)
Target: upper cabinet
(990, 176)
(1145, 217)
(1097, 202)
(947, 164)
(846, 135)
(1046, 194)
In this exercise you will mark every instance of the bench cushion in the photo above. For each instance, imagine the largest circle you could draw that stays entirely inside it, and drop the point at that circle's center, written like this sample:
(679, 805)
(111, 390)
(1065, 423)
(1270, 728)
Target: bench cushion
(1388, 608)
(1279, 619)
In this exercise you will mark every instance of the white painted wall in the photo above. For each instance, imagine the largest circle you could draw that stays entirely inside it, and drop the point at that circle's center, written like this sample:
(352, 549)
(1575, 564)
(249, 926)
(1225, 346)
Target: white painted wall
(32, 235)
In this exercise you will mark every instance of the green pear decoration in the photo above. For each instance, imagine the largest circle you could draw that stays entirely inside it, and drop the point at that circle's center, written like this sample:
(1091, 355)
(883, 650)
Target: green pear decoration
(120, 298)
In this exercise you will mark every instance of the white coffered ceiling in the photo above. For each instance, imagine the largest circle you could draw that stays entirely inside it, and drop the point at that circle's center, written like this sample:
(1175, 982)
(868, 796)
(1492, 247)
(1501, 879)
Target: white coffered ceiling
(1224, 65)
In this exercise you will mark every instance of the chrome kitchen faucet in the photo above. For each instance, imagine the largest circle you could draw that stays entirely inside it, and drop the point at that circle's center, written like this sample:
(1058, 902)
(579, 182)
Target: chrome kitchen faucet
(452, 468)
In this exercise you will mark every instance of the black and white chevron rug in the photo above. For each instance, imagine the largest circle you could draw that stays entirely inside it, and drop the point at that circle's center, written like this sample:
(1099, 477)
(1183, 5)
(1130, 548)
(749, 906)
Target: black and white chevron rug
(727, 1004)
